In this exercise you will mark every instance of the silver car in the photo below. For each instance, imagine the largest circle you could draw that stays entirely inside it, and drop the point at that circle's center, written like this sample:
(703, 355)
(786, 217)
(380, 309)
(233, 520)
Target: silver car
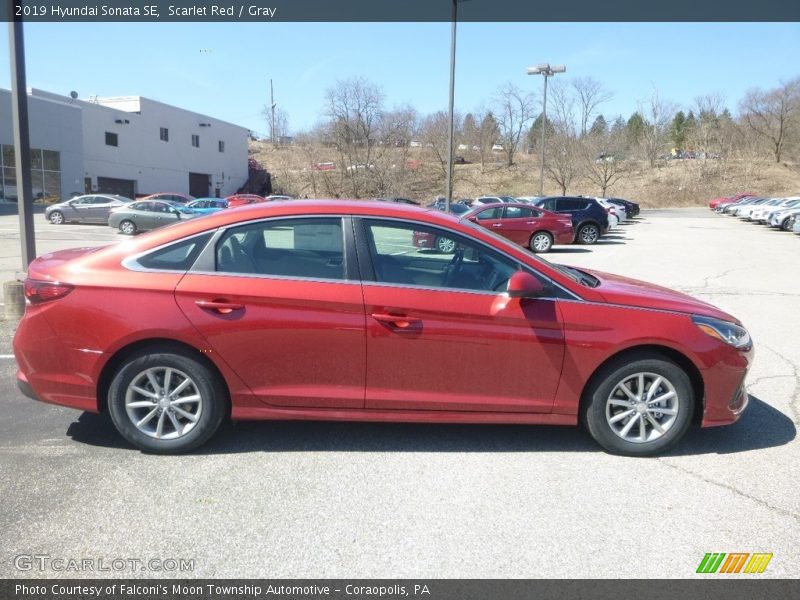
(145, 215)
(91, 208)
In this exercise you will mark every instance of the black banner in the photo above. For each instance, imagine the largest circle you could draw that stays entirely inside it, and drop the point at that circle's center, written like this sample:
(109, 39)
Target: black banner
(402, 10)
(712, 588)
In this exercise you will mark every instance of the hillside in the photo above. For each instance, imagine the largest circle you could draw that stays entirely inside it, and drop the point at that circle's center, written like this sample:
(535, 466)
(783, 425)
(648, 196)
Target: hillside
(670, 183)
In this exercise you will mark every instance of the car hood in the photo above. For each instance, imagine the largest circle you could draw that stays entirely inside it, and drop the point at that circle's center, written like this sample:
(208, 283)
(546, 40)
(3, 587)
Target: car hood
(633, 292)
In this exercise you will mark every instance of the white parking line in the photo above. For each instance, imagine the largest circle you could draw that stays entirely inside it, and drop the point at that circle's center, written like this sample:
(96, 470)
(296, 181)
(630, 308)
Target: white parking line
(9, 356)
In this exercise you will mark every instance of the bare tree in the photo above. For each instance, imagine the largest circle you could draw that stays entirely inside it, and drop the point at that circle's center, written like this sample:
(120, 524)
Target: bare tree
(485, 135)
(281, 123)
(657, 115)
(604, 163)
(514, 113)
(563, 151)
(354, 108)
(773, 115)
(590, 94)
(435, 133)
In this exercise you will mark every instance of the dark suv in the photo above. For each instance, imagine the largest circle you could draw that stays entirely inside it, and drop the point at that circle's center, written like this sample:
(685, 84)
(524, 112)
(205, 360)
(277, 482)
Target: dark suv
(589, 219)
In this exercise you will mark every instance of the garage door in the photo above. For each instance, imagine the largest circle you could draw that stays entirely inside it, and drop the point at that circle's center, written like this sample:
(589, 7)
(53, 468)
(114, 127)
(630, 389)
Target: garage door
(123, 187)
(199, 183)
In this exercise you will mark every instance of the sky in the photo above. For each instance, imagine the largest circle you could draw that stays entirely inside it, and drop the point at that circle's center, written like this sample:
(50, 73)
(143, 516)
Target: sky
(223, 69)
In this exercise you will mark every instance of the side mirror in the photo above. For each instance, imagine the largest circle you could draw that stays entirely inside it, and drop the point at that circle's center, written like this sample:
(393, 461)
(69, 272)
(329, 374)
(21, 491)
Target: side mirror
(473, 218)
(71, 202)
(524, 285)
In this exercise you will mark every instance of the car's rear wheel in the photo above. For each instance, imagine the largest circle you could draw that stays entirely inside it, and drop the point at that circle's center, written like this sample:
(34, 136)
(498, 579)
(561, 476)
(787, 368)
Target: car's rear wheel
(127, 227)
(57, 217)
(588, 233)
(787, 224)
(166, 403)
(640, 407)
(541, 241)
(445, 245)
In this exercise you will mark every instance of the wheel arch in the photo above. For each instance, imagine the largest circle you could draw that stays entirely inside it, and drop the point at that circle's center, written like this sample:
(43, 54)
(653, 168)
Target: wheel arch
(162, 345)
(653, 351)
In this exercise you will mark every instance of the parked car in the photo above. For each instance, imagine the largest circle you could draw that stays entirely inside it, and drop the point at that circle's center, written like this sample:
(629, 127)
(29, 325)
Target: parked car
(796, 223)
(614, 210)
(783, 218)
(632, 208)
(491, 199)
(762, 213)
(714, 204)
(91, 208)
(145, 215)
(399, 200)
(527, 199)
(252, 314)
(734, 207)
(243, 199)
(532, 228)
(274, 197)
(745, 212)
(172, 197)
(589, 219)
(206, 206)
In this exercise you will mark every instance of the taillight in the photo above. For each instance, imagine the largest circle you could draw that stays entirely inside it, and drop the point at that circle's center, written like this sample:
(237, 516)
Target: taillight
(37, 291)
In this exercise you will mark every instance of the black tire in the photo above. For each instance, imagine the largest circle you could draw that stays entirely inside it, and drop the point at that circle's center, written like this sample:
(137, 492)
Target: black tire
(588, 233)
(596, 406)
(787, 224)
(445, 245)
(127, 227)
(57, 218)
(213, 406)
(541, 239)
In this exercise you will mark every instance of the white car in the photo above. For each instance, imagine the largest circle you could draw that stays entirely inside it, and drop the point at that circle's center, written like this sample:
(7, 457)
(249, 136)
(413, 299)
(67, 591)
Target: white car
(746, 212)
(761, 214)
(615, 211)
(782, 218)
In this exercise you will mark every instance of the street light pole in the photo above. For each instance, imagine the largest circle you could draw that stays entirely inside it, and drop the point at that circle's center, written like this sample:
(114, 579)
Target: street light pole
(546, 71)
(449, 197)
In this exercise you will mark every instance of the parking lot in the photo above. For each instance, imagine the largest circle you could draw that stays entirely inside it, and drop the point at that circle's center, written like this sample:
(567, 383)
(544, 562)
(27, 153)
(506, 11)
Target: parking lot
(371, 500)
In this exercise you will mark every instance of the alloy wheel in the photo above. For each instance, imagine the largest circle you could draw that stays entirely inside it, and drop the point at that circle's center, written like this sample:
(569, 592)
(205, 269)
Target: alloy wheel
(163, 403)
(445, 245)
(589, 234)
(541, 242)
(642, 407)
(56, 218)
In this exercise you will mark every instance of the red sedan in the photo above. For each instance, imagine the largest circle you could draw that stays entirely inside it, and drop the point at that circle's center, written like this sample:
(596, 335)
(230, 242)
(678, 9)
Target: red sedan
(528, 226)
(326, 310)
(244, 199)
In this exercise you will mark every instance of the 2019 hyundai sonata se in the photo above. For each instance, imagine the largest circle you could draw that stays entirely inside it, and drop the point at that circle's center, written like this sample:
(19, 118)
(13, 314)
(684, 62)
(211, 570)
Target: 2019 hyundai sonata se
(327, 310)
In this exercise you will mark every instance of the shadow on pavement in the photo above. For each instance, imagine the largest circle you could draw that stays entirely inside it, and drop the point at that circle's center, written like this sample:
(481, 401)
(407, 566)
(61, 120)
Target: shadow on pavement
(760, 427)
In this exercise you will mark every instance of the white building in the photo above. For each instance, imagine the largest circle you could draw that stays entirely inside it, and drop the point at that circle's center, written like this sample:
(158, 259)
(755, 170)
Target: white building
(126, 145)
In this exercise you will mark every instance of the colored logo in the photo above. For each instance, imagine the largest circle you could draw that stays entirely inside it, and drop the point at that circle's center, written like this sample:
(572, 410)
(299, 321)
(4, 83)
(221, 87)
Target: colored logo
(735, 562)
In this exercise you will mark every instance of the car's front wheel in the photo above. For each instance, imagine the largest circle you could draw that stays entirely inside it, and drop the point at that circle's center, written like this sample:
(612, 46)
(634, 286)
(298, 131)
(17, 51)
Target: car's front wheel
(639, 407)
(588, 234)
(445, 245)
(166, 403)
(57, 217)
(127, 227)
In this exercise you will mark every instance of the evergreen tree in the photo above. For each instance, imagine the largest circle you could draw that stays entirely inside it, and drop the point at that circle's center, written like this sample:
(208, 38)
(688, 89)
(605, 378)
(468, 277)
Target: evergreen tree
(599, 127)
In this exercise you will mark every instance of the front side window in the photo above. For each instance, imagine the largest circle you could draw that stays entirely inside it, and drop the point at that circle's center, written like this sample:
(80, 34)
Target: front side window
(407, 254)
(490, 213)
(304, 248)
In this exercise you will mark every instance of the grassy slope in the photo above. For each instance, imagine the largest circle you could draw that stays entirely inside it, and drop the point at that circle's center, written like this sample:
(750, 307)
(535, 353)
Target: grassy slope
(672, 183)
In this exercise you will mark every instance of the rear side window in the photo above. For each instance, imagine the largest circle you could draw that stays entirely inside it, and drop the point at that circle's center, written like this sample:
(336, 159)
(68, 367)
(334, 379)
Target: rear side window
(518, 212)
(179, 256)
(307, 248)
(570, 204)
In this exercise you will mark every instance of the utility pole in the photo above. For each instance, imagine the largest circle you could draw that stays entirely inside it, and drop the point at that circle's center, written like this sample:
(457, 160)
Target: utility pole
(449, 197)
(12, 290)
(272, 106)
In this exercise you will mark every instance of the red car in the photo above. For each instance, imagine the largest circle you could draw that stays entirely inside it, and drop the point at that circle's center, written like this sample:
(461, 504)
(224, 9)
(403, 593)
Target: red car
(713, 204)
(325, 310)
(528, 226)
(244, 199)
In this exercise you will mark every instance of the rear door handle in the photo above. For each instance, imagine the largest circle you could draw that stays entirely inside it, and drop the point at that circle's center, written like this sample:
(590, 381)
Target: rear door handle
(397, 322)
(219, 306)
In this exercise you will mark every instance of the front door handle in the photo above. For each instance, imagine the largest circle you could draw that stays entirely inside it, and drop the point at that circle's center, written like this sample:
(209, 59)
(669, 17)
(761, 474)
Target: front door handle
(397, 322)
(497, 224)
(219, 306)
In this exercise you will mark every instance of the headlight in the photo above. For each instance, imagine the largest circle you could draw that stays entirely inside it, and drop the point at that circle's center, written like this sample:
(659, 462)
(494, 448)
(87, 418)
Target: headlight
(725, 331)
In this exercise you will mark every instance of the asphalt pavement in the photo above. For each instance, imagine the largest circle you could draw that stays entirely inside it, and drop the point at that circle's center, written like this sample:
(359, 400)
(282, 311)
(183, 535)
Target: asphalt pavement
(402, 500)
